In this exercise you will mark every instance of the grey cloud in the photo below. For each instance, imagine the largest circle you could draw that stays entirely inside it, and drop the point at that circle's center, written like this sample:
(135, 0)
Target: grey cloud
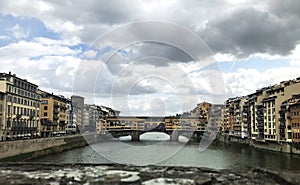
(249, 31)
(286, 9)
(104, 12)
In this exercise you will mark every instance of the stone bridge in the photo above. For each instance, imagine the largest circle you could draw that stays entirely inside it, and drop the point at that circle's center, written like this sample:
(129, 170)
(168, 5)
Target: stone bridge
(190, 127)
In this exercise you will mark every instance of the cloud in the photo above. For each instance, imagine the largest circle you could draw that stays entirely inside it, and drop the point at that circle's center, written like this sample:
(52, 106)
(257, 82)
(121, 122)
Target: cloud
(50, 40)
(247, 81)
(19, 33)
(239, 29)
(248, 31)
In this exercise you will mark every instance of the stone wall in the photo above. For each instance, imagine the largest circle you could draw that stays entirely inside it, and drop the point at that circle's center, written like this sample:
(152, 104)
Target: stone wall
(272, 146)
(26, 149)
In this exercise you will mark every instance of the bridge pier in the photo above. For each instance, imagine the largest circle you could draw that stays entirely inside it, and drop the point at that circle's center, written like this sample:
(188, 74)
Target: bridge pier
(135, 136)
(174, 136)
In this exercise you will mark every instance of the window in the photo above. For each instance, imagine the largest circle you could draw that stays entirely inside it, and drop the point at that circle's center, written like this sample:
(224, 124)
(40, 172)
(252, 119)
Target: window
(1, 107)
(8, 109)
(44, 102)
(2, 96)
(45, 107)
(9, 99)
(45, 114)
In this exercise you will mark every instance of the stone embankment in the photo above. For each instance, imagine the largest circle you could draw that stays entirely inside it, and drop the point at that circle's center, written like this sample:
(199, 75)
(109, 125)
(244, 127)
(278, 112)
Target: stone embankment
(271, 146)
(26, 173)
(21, 150)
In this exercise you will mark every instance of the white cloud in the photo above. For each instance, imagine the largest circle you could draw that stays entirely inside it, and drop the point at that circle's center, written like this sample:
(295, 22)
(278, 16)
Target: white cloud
(18, 32)
(295, 57)
(27, 49)
(246, 81)
(90, 54)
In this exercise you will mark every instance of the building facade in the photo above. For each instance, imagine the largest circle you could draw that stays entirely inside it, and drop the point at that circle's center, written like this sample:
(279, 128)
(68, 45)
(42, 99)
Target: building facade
(20, 108)
(235, 113)
(53, 114)
(264, 115)
(201, 110)
(78, 108)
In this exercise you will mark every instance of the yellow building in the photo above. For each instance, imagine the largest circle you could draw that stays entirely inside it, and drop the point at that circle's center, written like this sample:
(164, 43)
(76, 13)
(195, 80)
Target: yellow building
(20, 108)
(53, 113)
(201, 110)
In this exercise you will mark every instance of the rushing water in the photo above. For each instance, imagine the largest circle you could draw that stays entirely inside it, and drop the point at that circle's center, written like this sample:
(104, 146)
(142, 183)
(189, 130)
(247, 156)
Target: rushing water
(216, 156)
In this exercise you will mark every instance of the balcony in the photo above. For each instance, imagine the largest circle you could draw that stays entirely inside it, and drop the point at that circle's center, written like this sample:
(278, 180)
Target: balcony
(55, 117)
(55, 111)
(56, 106)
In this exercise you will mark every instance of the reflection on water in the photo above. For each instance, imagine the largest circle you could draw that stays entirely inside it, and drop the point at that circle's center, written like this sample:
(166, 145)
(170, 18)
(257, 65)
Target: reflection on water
(217, 156)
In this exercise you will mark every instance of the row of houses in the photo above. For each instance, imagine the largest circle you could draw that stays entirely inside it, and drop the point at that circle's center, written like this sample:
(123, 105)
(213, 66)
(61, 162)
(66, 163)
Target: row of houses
(28, 112)
(271, 114)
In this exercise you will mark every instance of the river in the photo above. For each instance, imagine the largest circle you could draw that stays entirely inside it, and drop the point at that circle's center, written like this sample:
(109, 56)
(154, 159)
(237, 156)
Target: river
(216, 156)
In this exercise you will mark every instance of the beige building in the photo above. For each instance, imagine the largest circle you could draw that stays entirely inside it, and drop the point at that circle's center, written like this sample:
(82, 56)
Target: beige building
(53, 114)
(265, 107)
(20, 107)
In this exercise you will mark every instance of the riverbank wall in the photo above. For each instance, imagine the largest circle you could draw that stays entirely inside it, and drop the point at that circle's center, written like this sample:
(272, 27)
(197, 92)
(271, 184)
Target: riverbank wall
(22, 150)
(271, 146)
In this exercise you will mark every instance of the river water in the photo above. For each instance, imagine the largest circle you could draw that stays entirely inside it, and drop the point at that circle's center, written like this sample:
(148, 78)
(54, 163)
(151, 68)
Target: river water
(216, 156)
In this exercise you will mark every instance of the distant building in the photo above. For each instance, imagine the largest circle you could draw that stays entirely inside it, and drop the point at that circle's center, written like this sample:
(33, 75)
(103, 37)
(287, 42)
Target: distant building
(215, 118)
(107, 112)
(234, 117)
(78, 108)
(201, 110)
(91, 114)
(19, 107)
(53, 114)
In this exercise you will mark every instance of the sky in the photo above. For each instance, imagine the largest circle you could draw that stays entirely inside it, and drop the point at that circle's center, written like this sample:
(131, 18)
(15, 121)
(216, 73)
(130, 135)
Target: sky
(151, 57)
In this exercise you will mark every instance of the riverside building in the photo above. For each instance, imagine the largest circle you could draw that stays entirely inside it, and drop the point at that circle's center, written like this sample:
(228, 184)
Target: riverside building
(234, 119)
(53, 113)
(268, 115)
(19, 108)
(78, 111)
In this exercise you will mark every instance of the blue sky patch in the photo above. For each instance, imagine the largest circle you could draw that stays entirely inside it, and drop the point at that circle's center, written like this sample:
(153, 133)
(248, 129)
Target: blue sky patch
(14, 29)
